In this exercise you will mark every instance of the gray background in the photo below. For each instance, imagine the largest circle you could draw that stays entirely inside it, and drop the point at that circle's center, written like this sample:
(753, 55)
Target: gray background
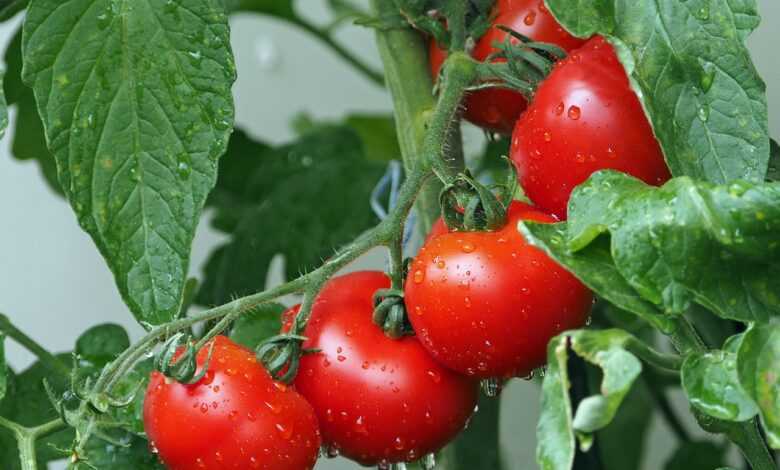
(54, 284)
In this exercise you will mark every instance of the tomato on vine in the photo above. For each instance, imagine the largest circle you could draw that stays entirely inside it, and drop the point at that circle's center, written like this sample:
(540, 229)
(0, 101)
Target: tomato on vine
(378, 400)
(486, 304)
(584, 117)
(236, 416)
(497, 109)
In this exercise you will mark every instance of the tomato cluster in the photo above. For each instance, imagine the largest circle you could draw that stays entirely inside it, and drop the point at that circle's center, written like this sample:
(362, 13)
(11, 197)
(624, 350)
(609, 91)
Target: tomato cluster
(481, 304)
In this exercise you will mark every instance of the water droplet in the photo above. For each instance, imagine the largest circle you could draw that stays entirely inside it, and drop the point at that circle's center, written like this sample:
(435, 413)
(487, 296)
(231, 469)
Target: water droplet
(491, 387)
(547, 136)
(611, 153)
(200, 463)
(360, 426)
(542, 7)
(285, 431)
(399, 443)
(418, 310)
(341, 358)
(559, 109)
(704, 113)
(204, 407)
(530, 18)
(183, 165)
(468, 247)
(253, 462)
(275, 409)
(435, 376)
(574, 112)
(419, 276)
(579, 158)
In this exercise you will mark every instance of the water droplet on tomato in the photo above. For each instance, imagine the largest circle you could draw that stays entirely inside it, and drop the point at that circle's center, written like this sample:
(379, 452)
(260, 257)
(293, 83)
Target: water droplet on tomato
(547, 136)
(285, 431)
(399, 443)
(341, 358)
(200, 463)
(275, 409)
(574, 112)
(611, 153)
(419, 276)
(204, 407)
(253, 462)
(365, 365)
(542, 7)
(468, 247)
(579, 158)
(530, 18)
(418, 310)
(435, 376)
(360, 426)
(559, 109)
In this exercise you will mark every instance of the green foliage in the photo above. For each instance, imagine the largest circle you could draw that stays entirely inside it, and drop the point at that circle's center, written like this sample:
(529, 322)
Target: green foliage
(133, 455)
(694, 75)
(102, 343)
(9, 8)
(478, 445)
(253, 327)
(3, 368)
(137, 107)
(301, 200)
(376, 131)
(27, 403)
(757, 365)
(697, 455)
(558, 425)
(29, 141)
(710, 380)
(684, 242)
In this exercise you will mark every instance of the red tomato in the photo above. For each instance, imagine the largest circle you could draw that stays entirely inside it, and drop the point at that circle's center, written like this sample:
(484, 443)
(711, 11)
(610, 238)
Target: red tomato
(236, 416)
(584, 118)
(498, 109)
(487, 303)
(377, 399)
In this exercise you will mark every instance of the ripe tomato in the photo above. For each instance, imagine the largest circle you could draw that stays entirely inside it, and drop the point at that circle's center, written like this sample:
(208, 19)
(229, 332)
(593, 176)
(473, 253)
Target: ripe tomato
(584, 118)
(377, 399)
(236, 416)
(498, 109)
(487, 303)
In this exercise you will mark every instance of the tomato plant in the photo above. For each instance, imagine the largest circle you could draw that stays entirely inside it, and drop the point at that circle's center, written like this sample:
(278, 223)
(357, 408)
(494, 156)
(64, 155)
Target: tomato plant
(486, 304)
(631, 261)
(377, 399)
(235, 416)
(497, 109)
(584, 118)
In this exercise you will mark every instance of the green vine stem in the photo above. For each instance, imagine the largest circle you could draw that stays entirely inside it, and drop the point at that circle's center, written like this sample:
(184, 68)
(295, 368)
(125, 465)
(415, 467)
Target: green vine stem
(671, 362)
(404, 54)
(745, 434)
(27, 437)
(45, 357)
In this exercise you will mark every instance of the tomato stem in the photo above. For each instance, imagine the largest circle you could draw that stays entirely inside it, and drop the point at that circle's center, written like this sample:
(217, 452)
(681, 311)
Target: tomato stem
(27, 437)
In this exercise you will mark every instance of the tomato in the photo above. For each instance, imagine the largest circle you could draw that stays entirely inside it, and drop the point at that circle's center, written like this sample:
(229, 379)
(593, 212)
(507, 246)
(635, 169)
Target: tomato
(378, 400)
(585, 117)
(236, 416)
(497, 109)
(486, 303)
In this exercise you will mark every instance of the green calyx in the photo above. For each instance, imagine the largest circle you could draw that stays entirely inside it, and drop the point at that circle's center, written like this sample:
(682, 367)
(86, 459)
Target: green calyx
(390, 313)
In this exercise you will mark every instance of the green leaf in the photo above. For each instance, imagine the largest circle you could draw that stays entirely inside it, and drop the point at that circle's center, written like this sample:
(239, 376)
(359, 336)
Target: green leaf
(9, 8)
(557, 424)
(135, 455)
(27, 403)
(301, 200)
(594, 266)
(3, 368)
(711, 383)
(261, 323)
(686, 241)
(29, 141)
(478, 445)
(758, 365)
(622, 442)
(698, 455)
(136, 103)
(101, 344)
(691, 68)
(376, 131)
(773, 174)
(3, 110)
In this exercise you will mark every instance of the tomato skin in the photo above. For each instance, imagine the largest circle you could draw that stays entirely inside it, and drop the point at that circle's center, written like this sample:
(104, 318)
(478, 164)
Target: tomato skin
(486, 304)
(497, 109)
(236, 417)
(376, 398)
(584, 118)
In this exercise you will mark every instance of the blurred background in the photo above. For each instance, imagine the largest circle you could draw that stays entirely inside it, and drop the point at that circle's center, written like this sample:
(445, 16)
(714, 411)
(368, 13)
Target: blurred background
(54, 284)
